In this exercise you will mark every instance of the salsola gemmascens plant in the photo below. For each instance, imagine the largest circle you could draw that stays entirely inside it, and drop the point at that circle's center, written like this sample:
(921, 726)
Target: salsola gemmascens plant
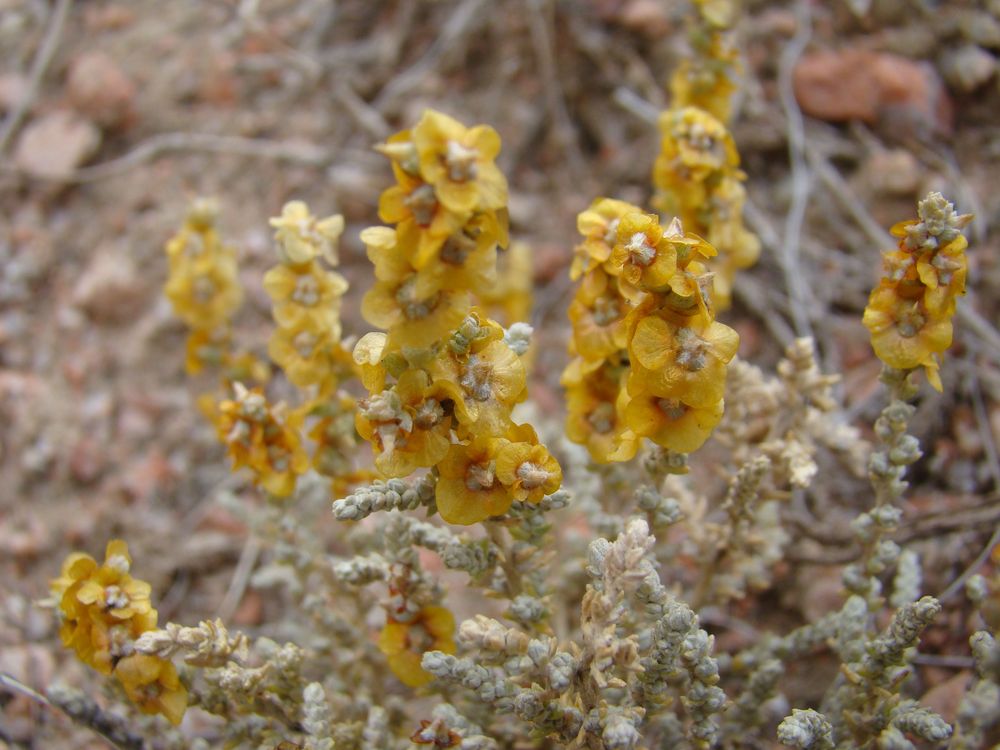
(497, 577)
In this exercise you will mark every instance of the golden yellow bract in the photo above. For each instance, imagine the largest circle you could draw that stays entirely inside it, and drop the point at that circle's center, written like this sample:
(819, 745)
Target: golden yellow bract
(301, 237)
(671, 423)
(599, 227)
(687, 362)
(525, 466)
(305, 293)
(404, 643)
(262, 439)
(598, 314)
(205, 294)
(698, 181)
(459, 162)
(643, 255)
(484, 385)
(469, 490)
(596, 420)
(406, 425)
(152, 684)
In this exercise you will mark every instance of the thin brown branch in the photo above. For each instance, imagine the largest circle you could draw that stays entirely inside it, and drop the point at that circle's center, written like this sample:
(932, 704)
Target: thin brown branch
(82, 710)
(241, 578)
(788, 257)
(290, 151)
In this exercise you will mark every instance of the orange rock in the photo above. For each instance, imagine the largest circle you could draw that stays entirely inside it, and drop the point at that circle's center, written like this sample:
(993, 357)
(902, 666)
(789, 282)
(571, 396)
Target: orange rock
(100, 90)
(945, 697)
(648, 17)
(250, 611)
(147, 476)
(837, 85)
(55, 144)
(87, 460)
(858, 84)
(110, 290)
(13, 88)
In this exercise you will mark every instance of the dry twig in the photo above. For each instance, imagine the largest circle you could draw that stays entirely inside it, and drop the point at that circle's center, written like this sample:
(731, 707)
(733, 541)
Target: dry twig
(40, 64)
(788, 258)
(297, 152)
(241, 577)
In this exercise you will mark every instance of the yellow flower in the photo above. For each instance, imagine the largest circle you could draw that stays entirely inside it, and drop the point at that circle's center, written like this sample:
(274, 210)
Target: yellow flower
(909, 312)
(205, 295)
(407, 425)
(458, 162)
(245, 367)
(403, 300)
(306, 292)
(303, 352)
(389, 252)
(484, 384)
(905, 335)
(466, 259)
(943, 275)
(404, 643)
(644, 256)
(694, 145)
(682, 361)
(192, 247)
(598, 314)
(511, 295)
(706, 82)
(301, 237)
(333, 435)
(152, 684)
(206, 347)
(468, 489)
(671, 423)
(197, 242)
(413, 204)
(742, 251)
(257, 438)
(596, 420)
(400, 149)
(413, 320)
(103, 608)
(526, 467)
(367, 356)
(599, 227)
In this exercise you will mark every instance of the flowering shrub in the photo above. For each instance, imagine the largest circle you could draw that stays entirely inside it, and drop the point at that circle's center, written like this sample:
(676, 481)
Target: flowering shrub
(498, 580)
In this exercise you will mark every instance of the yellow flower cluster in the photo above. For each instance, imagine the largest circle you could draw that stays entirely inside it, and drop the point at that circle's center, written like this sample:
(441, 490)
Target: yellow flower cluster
(649, 358)
(443, 378)
(697, 179)
(909, 312)
(306, 299)
(705, 79)
(103, 611)
(203, 287)
(306, 344)
(263, 438)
